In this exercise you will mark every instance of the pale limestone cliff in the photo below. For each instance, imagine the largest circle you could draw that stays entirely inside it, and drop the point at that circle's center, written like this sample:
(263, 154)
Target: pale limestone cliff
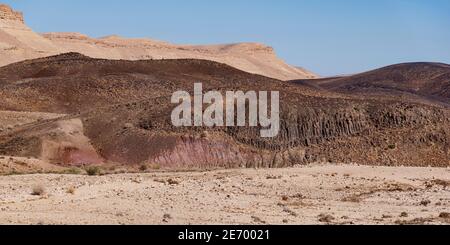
(18, 42)
(6, 13)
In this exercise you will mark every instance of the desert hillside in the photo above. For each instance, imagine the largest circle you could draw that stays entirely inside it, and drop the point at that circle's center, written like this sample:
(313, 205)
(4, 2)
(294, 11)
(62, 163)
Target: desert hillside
(118, 112)
(18, 42)
(425, 80)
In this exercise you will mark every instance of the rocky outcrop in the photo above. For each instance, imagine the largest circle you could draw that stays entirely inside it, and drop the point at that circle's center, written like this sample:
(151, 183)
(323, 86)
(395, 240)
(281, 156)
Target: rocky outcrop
(8, 14)
(307, 127)
(18, 42)
(124, 110)
(220, 152)
(393, 135)
(57, 142)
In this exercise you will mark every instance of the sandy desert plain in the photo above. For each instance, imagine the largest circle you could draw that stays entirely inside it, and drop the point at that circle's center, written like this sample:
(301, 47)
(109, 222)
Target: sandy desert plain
(316, 194)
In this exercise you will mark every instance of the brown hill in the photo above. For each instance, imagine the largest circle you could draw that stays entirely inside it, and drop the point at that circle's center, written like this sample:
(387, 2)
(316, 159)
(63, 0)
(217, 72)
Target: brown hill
(119, 112)
(18, 42)
(430, 81)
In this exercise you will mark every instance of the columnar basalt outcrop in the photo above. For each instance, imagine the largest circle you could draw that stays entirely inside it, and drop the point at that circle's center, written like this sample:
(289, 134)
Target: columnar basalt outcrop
(306, 127)
(124, 110)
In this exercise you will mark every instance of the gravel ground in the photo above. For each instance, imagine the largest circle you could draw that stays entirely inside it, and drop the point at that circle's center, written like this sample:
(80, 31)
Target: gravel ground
(318, 194)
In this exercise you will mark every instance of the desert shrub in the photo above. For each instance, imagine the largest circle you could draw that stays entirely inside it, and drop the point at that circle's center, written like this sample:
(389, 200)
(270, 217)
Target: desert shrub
(444, 215)
(326, 218)
(93, 170)
(38, 190)
(143, 168)
(155, 166)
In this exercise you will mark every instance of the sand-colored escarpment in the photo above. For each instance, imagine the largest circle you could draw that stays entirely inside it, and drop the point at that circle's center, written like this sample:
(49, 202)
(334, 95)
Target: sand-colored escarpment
(18, 42)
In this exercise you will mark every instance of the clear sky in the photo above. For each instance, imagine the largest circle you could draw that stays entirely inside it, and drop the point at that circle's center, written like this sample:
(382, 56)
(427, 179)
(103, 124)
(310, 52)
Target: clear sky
(326, 36)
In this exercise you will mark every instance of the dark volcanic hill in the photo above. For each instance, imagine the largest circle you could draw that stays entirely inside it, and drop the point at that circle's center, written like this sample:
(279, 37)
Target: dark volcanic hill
(430, 81)
(119, 112)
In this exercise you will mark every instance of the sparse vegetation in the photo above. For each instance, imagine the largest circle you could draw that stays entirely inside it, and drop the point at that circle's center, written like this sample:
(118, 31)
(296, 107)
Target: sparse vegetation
(296, 200)
(38, 190)
(326, 218)
(71, 190)
(166, 218)
(160, 181)
(289, 211)
(272, 177)
(386, 216)
(416, 221)
(173, 182)
(73, 170)
(352, 198)
(425, 203)
(439, 182)
(258, 220)
(93, 170)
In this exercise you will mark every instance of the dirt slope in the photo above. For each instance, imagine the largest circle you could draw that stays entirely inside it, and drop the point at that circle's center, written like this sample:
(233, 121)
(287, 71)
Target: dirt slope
(308, 195)
(430, 81)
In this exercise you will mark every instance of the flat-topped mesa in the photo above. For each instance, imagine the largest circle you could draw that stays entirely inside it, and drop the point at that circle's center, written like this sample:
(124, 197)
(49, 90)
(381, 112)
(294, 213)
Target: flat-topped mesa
(7, 13)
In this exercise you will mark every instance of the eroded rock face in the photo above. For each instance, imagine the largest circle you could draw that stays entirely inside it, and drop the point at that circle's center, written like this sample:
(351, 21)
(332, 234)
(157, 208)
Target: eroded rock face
(60, 142)
(220, 152)
(190, 152)
(8, 14)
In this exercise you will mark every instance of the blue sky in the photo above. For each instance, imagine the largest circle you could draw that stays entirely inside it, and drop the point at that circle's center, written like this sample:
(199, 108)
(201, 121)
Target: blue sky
(326, 36)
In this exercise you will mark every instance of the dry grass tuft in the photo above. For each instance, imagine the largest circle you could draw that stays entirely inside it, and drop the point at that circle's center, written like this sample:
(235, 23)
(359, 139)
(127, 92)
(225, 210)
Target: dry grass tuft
(71, 190)
(38, 190)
